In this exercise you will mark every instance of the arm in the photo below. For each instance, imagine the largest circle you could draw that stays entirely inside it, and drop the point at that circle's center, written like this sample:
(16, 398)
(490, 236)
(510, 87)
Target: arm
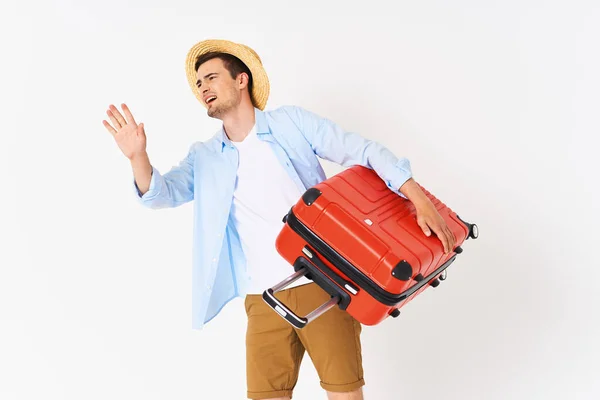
(151, 188)
(413, 192)
(329, 141)
(172, 189)
(428, 218)
(142, 172)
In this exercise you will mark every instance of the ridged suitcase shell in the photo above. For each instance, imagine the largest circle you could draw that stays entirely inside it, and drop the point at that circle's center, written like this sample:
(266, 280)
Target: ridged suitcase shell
(363, 234)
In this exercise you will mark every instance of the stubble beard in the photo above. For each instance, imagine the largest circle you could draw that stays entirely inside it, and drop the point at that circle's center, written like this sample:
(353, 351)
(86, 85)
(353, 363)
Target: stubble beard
(219, 111)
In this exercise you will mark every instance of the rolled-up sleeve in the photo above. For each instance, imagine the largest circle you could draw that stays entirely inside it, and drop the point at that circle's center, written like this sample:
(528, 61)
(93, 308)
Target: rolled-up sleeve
(330, 142)
(174, 188)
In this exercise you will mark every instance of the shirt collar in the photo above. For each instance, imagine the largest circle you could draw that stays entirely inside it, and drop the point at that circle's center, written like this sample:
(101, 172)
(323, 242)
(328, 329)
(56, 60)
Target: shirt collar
(262, 127)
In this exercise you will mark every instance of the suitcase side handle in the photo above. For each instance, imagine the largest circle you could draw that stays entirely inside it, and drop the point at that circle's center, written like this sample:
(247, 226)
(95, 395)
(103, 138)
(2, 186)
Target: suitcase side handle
(285, 312)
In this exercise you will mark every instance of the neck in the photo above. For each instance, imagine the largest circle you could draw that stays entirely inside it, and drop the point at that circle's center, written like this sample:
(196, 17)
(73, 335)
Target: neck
(238, 123)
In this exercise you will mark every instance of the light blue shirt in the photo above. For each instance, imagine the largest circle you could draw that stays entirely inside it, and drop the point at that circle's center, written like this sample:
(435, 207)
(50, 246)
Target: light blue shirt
(208, 174)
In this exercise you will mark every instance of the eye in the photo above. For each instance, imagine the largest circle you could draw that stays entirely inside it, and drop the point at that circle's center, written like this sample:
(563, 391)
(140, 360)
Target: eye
(212, 77)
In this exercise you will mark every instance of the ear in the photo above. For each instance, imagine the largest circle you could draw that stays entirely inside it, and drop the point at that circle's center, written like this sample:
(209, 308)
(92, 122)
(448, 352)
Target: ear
(242, 80)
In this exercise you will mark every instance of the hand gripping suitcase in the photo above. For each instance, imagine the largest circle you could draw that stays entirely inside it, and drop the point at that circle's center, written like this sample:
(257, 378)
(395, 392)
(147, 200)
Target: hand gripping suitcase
(361, 243)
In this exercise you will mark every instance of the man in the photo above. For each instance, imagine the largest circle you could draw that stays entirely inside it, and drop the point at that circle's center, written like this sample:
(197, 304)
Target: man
(243, 180)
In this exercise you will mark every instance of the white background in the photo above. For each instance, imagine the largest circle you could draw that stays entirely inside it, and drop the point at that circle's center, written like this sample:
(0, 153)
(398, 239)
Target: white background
(494, 102)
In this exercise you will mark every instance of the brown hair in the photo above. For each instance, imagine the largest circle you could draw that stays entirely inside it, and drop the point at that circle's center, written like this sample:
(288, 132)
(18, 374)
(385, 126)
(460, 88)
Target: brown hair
(234, 65)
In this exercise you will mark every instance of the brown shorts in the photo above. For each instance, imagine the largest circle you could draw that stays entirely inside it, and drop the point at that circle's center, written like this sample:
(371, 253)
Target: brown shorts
(274, 348)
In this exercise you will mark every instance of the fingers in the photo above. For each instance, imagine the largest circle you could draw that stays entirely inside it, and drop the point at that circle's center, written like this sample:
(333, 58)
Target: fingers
(109, 128)
(430, 223)
(441, 234)
(449, 239)
(424, 227)
(118, 115)
(117, 119)
(128, 114)
(445, 236)
(116, 123)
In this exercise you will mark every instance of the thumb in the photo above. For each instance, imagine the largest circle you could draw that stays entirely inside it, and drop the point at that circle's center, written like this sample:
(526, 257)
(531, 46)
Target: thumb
(425, 228)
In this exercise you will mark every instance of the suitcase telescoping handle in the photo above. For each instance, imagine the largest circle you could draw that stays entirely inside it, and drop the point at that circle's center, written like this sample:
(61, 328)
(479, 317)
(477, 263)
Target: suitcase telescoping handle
(285, 312)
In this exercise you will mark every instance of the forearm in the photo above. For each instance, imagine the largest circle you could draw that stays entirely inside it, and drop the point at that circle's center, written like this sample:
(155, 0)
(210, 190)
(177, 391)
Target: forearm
(142, 171)
(413, 192)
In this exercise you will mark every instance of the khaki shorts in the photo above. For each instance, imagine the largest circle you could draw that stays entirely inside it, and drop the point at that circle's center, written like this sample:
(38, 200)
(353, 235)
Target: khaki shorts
(274, 348)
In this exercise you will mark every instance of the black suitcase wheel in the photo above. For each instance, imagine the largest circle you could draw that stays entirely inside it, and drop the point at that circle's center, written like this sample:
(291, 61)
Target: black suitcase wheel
(474, 232)
(473, 229)
(435, 283)
(443, 276)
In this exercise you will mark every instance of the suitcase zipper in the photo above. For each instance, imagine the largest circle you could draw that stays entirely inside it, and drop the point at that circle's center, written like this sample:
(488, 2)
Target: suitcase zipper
(354, 273)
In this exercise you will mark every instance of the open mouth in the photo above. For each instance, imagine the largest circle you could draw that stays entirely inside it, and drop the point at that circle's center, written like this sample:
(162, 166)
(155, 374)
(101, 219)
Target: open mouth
(211, 99)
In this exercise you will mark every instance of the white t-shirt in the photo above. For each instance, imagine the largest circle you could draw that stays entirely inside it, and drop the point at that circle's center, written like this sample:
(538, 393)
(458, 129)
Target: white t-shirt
(264, 193)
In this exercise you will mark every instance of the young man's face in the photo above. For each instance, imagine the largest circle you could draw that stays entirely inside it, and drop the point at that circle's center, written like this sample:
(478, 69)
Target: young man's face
(220, 92)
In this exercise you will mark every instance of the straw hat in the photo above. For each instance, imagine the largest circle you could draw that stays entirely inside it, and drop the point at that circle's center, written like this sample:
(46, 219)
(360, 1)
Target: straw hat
(260, 82)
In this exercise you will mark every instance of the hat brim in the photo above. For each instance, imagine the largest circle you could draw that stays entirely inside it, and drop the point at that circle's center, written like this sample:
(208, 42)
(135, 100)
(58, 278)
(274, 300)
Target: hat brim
(260, 81)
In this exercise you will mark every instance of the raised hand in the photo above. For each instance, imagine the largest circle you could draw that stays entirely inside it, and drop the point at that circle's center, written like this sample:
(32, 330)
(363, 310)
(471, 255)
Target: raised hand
(130, 136)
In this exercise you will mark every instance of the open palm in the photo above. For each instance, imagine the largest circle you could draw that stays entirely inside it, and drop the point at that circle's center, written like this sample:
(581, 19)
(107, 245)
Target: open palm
(130, 136)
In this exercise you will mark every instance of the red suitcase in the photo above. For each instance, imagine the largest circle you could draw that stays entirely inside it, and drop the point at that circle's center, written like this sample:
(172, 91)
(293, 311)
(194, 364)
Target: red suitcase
(361, 243)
